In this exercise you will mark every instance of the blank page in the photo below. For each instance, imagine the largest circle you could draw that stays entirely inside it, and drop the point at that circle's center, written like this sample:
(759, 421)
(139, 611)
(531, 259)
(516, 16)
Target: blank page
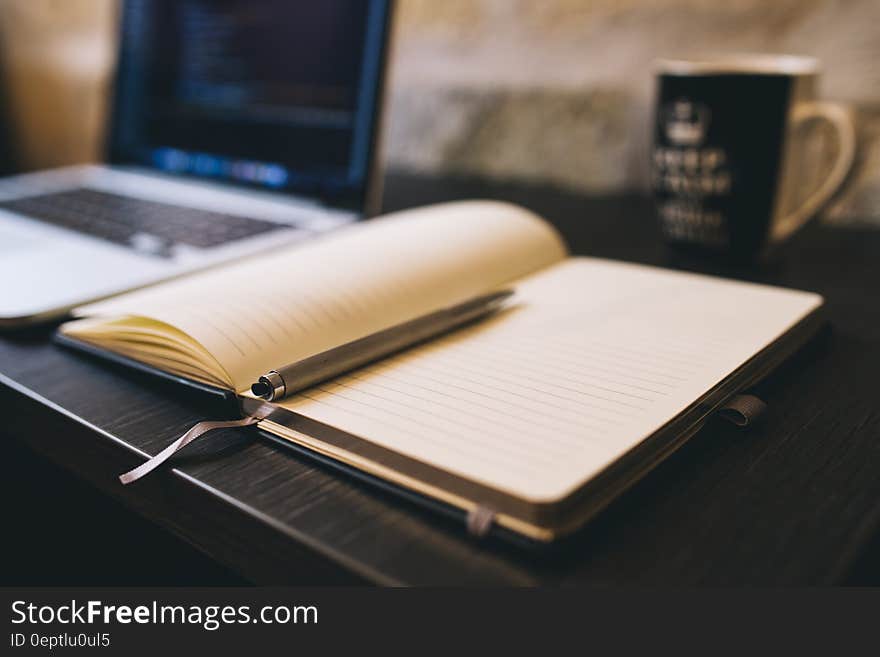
(594, 357)
(276, 309)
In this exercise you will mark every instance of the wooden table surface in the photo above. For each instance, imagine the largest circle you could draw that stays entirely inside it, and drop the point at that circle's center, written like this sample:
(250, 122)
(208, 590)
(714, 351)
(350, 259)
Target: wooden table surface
(795, 500)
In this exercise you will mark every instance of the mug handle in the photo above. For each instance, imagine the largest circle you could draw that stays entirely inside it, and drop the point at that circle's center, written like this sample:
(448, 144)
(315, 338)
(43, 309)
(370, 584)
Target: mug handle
(840, 118)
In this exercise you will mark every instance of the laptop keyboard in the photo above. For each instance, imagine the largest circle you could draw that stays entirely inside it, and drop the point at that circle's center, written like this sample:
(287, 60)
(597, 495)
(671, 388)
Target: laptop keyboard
(148, 226)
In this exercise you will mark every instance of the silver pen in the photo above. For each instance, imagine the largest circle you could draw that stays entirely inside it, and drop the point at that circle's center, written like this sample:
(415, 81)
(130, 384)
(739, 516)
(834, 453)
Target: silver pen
(276, 384)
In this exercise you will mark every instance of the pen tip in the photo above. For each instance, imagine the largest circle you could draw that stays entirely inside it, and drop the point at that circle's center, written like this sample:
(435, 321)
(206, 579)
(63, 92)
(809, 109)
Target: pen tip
(260, 389)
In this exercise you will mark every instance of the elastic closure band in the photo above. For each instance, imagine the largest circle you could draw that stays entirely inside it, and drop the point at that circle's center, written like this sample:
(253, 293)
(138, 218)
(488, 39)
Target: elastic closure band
(743, 410)
(479, 521)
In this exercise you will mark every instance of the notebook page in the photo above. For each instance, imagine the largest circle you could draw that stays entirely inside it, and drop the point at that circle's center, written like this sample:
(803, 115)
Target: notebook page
(596, 356)
(269, 311)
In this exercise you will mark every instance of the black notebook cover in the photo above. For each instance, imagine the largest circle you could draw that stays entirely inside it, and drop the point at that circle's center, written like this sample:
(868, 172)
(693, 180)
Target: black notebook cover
(224, 399)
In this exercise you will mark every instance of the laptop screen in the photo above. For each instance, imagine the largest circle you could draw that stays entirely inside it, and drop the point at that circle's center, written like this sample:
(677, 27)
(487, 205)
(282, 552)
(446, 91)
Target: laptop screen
(273, 94)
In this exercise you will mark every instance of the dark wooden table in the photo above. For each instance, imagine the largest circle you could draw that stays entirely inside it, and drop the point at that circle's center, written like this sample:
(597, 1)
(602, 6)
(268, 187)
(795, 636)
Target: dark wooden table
(796, 500)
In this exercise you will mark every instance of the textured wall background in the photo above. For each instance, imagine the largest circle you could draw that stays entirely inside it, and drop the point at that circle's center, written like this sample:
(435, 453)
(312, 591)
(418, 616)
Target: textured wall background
(561, 90)
(555, 91)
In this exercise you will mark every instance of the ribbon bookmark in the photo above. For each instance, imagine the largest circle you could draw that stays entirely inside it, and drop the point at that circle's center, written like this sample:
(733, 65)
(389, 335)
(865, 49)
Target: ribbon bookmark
(195, 431)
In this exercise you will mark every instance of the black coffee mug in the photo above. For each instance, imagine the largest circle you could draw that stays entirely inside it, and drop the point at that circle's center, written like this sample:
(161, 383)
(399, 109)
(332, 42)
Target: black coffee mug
(734, 163)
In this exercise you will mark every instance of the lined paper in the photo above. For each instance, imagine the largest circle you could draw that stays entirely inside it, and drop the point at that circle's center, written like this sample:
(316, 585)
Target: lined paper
(594, 357)
(272, 310)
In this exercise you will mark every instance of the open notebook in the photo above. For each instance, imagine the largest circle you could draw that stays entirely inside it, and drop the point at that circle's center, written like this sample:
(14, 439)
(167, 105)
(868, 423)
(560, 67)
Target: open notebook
(540, 414)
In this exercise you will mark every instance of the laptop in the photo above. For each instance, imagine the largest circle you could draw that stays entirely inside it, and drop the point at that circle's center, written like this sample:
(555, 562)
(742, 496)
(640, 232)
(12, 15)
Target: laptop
(235, 127)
